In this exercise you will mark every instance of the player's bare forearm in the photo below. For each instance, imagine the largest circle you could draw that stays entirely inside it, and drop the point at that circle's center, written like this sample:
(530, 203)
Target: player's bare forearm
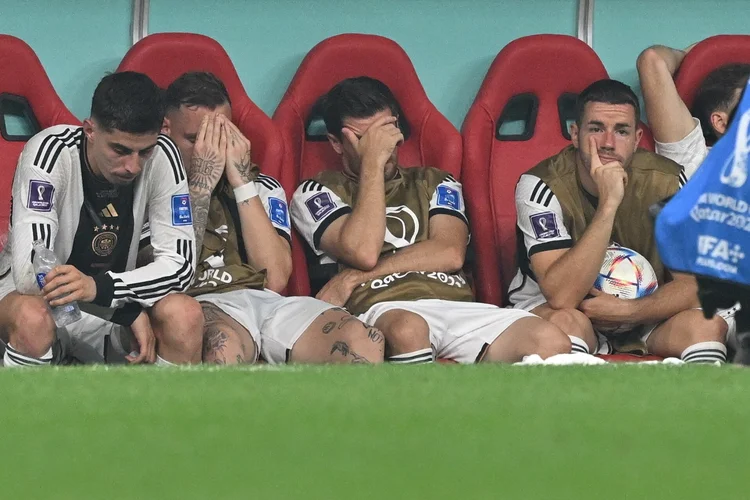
(200, 200)
(265, 248)
(668, 116)
(568, 280)
(363, 232)
(678, 295)
(429, 256)
(672, 58)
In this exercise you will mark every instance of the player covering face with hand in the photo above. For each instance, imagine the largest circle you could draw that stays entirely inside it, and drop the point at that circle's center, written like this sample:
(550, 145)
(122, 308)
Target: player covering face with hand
(391, 242)
(243, 235)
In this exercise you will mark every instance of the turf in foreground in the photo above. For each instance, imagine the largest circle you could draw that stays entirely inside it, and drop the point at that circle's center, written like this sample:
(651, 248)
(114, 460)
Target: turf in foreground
(385, 432)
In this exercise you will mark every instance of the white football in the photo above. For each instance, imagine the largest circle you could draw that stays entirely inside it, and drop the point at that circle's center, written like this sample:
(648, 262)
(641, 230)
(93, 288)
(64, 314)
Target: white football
(625, 274)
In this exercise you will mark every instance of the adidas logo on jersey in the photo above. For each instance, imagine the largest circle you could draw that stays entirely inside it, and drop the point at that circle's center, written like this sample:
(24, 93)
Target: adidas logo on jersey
(109, 211)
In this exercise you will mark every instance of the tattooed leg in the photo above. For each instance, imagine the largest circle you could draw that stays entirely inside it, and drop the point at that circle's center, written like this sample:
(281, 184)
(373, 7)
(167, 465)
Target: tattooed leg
(225, 341)
(345, 351)
(338, 337)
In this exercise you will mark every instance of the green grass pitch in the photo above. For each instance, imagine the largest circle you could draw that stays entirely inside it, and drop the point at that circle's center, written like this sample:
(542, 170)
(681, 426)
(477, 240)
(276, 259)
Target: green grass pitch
(600, 432)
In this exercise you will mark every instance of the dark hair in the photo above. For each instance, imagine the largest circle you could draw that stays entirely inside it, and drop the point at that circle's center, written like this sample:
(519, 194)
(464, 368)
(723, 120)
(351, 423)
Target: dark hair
(359, 97)
(129, 102)
(733, 113)
(608, 92)
(196, 88)
(717, 93)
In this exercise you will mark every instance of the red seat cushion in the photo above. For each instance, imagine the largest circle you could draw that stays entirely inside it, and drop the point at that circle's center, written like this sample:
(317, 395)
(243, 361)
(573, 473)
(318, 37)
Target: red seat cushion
(549, 70)
(432, 141)
(166, 56)
(22, 74)
(628, 358)
(705, 57)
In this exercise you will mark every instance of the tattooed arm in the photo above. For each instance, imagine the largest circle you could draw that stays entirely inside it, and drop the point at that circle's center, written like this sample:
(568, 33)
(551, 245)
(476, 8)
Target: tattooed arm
(265, 247)
(205, 170)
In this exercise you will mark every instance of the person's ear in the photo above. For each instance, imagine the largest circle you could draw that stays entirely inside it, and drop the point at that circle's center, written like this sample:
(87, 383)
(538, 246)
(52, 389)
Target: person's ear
(88, 129)
(335, 143)
(720, 122)
(574, 137)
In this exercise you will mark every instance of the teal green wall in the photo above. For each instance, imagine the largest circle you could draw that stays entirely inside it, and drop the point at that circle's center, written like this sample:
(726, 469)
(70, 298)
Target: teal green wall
(451, 42)
(622, 29)
(77, 42)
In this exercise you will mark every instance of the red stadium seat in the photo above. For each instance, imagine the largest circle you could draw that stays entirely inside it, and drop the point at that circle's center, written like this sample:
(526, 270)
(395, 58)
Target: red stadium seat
(532, 83)
(166, 56)
(28, 104)
(431, 140)
(705, 57)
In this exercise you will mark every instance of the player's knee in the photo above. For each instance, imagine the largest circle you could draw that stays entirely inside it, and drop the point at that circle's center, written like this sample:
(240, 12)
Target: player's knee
(572, 322)
(548, 340)
(408, 332)
(703, 330)
(32, 328)
(181, 321)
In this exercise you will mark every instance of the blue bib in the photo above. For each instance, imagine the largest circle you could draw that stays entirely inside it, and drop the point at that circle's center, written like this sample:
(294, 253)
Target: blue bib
(705, 227)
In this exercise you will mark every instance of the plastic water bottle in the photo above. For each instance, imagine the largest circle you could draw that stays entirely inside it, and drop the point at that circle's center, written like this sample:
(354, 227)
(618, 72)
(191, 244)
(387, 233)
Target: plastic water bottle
(45, 260)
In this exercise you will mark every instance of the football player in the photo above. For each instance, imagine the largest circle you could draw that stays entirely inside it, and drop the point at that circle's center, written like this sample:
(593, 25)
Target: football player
(392, 240)
(86, 192)
(572, 206)
(243, 235)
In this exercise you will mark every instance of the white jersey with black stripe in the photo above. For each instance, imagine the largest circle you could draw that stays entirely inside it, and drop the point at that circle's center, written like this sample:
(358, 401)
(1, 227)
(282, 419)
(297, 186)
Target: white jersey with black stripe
(273, 198)
(539, 227)
(47, 197)
(690, 151)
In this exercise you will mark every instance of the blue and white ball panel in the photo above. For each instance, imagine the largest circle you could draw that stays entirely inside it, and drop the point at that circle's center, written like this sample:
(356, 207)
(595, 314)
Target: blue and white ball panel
(626, 274)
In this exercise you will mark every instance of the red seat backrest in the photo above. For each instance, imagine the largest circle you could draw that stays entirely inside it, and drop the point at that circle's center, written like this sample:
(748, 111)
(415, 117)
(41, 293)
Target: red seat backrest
(546, 68)
(22, 74)
(166, 56)
(705, 57)
(432, 141)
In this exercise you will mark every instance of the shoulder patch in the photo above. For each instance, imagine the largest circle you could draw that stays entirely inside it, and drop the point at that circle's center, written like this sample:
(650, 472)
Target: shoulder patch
(320, 205)
(40, 196)
(278, 212)
(448, 197)
(182, 214)
(545, 225)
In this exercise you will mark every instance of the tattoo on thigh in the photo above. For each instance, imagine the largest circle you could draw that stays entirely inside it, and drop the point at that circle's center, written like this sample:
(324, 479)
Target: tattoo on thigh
(344, 349)
(328, 327)
(211, 312)
(214, 341)
(240, 359)
(345, 320)
(374, 335)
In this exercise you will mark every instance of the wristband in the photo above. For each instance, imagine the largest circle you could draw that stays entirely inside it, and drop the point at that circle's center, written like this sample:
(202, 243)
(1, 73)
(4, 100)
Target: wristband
(245, 192)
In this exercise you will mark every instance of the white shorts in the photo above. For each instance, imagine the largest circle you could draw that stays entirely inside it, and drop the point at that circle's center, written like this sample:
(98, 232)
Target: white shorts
(89, 340)
(605, 347)
(460, 331)
(275, 322)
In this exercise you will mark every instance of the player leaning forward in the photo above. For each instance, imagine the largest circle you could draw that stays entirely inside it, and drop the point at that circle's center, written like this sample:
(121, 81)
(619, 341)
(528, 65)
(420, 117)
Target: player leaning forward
(573, 205)
(243, 233)
(394, 241)
(86, 192)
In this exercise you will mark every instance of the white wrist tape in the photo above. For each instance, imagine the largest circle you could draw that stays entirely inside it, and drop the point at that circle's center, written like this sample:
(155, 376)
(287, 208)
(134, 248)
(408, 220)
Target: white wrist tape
(245, 192)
